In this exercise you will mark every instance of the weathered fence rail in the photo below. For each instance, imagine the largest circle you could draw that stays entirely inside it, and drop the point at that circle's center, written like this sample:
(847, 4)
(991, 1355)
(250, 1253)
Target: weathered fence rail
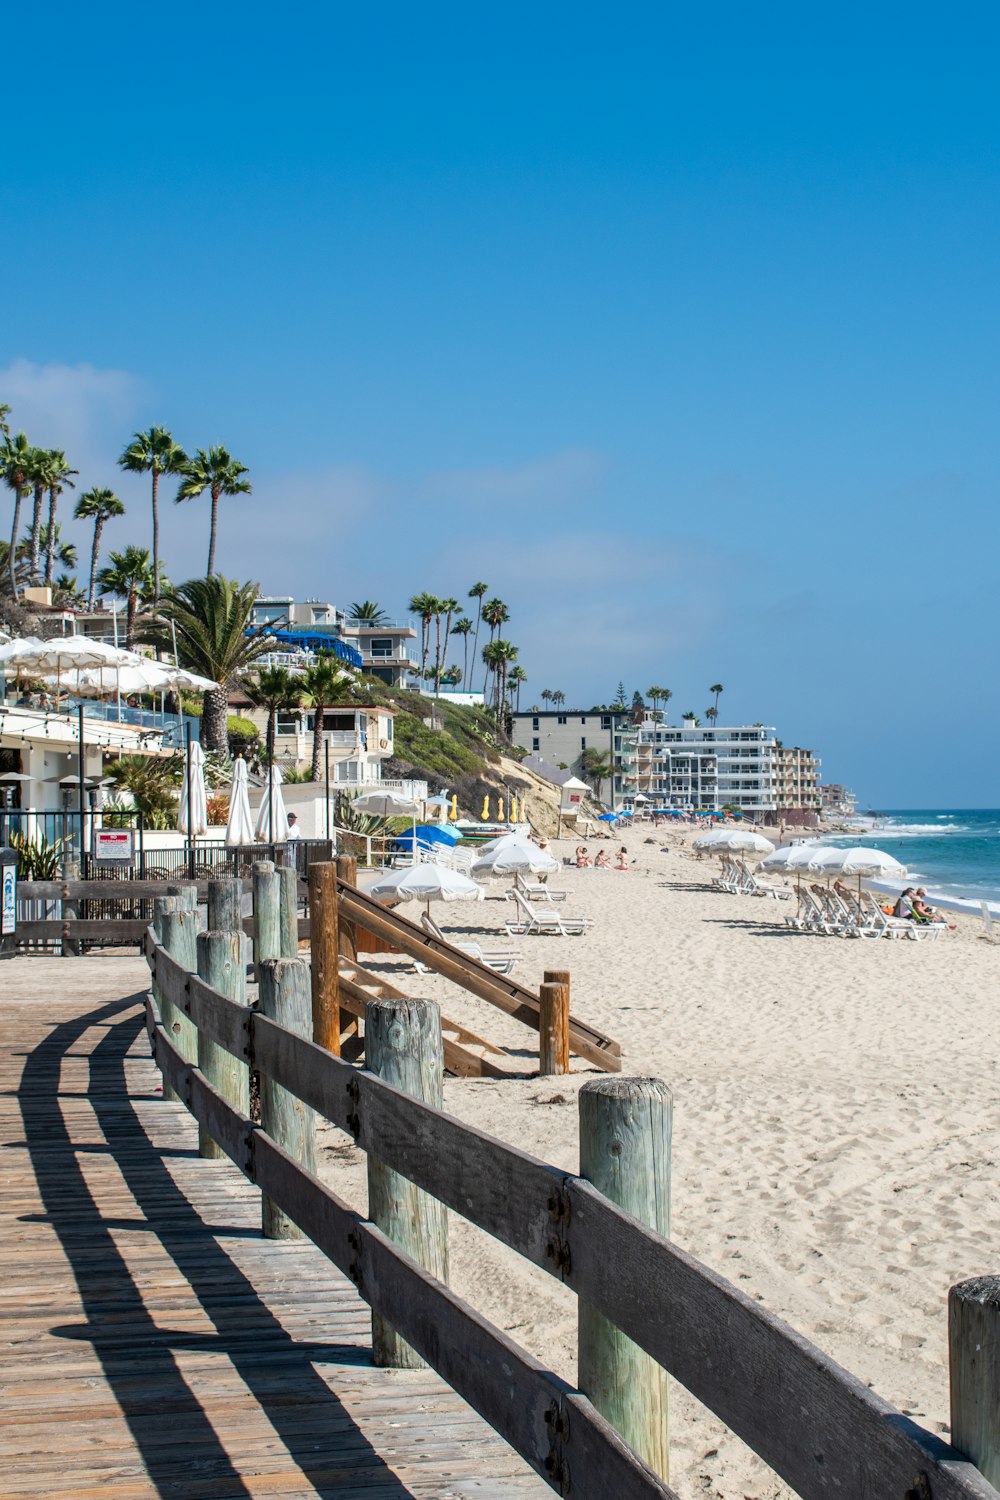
(822, 1430)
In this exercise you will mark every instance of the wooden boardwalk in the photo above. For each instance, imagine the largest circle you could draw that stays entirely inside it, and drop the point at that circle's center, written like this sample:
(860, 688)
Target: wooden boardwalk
(153, 1344)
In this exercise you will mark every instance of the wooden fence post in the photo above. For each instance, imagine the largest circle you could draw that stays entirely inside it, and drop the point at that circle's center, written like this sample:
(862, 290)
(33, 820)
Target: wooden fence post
(179, 934)
(625, 1128)
(225, 905)
(162, 905)
(553, 1023)
(403, 1046)
(266, 913)
(288, 910)
(974, 1353)
(70, 910)
(222, 964)
(347, 934)
(323, 955)
(284, 997)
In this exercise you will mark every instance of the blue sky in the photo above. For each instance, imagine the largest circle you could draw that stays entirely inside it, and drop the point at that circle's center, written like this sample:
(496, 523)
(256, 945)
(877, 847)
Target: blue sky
(677, 325)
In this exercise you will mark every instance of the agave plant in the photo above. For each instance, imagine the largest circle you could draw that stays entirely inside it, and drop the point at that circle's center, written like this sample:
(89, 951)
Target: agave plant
(37, 859)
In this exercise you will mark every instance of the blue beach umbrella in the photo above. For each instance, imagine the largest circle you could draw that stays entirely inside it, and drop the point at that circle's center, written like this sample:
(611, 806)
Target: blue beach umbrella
(607, 818)
(426, 834)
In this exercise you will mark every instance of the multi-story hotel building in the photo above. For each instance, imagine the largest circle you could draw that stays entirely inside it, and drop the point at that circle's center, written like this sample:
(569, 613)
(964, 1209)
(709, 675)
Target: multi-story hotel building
(693, 767)
(797, 776)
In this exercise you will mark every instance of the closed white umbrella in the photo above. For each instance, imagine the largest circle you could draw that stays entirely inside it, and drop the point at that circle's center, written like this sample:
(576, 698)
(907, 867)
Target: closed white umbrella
(239, 828)
(518, 858)
(426, 883)
(272, 819)
(196, 821)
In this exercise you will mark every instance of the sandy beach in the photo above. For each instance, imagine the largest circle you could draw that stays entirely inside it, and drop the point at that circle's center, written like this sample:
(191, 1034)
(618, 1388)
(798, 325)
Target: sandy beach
(835, 1122)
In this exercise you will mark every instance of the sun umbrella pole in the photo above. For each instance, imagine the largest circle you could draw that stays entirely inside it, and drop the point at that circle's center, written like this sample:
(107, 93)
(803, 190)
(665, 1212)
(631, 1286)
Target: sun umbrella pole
(80, 772)
(190, 803)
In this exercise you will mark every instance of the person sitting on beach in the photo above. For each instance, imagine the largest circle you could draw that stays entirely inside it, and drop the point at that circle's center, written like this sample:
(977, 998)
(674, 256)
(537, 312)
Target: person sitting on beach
(924, 913)
(622, 859)
(603, 860)
(904, 904)
(583, 858)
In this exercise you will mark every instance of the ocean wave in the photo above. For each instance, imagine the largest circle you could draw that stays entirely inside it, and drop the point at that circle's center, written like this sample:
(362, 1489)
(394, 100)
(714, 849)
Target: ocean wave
(914, 830)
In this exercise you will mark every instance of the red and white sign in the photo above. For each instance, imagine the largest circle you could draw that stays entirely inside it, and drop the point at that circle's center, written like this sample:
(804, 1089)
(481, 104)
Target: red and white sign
(114, 846)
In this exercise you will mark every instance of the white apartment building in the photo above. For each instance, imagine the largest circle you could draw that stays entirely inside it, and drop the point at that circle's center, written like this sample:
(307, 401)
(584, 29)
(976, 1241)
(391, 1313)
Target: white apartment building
(561, 738)
(692, 766)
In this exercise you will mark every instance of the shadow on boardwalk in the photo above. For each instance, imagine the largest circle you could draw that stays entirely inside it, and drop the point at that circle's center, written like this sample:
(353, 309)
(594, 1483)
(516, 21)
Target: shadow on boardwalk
(182, 1453)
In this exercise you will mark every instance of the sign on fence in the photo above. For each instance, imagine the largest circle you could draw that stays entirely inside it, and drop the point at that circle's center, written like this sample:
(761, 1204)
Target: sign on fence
(8, 904)
(114, 846)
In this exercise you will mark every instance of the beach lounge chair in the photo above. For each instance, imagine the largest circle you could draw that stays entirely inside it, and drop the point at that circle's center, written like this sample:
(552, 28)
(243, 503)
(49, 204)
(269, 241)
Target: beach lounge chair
(501, 960)
(538, 891)
(529, 920)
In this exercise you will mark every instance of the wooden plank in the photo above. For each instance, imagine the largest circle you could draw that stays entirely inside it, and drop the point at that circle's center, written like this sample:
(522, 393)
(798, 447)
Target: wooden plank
(473, 976)
(358, 987)
(819, 1428)
(109, 932)
(552, 1426)
(105, 890)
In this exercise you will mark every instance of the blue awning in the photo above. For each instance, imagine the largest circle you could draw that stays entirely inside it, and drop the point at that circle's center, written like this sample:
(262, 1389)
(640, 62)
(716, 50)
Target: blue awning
(317, 640)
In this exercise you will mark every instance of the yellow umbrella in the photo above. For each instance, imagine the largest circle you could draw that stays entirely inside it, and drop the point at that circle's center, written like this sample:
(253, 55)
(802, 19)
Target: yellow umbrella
(454, 809)
(486, 809)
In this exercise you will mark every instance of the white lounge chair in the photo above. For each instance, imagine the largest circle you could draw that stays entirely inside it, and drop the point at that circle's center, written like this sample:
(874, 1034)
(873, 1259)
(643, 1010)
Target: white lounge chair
(529, 920)
(501, 960)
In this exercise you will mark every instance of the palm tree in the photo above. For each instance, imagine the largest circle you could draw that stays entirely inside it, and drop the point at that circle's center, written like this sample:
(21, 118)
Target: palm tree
(219, 473)
(716, 688)
(665, 694)
(210, 618)
(129, 574)
(495, 613)
(517, 675)
(326, 682)
(477, 592)
(558, 698)
(274, 689)
(368, 612)
(463, 627)
(97, 506)
(59, 472)
(63, 553)
(15, 464)
(5, 412)
(424, 605)
(498, 656)
(597, 766)
(546, 695)
(446, 607)
(154, 452)
(41, 476)
(711, 714)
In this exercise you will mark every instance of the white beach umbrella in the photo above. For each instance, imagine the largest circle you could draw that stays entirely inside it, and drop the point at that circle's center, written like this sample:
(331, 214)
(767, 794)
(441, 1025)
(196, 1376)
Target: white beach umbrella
(793, 858)
(197, 821)
(272, 819)
(710, 839)
(859, 861)
(239, 828)
(742, 841)
(180, 677)
(426, 883)
(518, 858)
(65, 653)
(385, 805)
(505, 841)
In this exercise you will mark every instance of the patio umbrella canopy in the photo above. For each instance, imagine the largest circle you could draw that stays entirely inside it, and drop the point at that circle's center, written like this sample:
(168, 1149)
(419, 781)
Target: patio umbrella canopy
(385, 805)
(426, 883)
(518, 858)
(272, 824)
(735, 840)
(239, 828)
(197, 821)
(858, 861)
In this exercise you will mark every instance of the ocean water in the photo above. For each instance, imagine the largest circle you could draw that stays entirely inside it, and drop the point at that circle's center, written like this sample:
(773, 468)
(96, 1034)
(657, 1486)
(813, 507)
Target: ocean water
(955, 852)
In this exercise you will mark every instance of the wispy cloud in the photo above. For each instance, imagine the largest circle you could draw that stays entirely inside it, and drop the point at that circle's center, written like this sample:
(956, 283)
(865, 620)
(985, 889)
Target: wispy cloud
(78, 408)
(552, 480)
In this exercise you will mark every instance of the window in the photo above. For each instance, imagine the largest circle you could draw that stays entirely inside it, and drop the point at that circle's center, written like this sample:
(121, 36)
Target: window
(535, 743)
(379, 646)
(287, 724)
(561, 719)
(344, 723)
(583, 742)
(583, 718)
(534, 721)
(605, 721)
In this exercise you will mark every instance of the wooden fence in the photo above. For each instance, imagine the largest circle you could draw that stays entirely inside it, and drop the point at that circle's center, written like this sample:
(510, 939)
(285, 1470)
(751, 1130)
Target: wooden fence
(822, 1430)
